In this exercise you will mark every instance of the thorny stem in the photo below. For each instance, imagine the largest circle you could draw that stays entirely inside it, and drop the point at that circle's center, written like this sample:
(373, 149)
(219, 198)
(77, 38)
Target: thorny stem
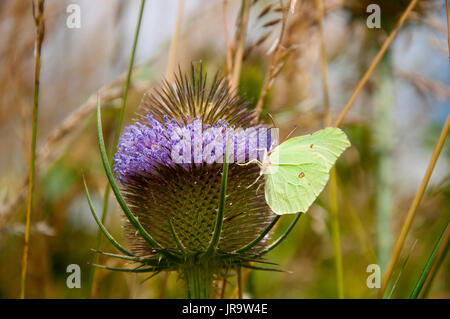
(38, 15)
(199, 281)
(116, 139)
(413, 208)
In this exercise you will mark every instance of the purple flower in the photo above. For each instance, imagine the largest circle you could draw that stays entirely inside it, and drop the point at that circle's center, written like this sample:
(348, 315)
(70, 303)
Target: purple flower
(170, 166)
(143, 145)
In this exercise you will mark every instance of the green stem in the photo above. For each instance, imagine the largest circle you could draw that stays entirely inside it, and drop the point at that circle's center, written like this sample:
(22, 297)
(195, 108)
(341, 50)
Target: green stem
(335, 234)
(383, 128)
(199, 281)
(116, 139)
(38, 15)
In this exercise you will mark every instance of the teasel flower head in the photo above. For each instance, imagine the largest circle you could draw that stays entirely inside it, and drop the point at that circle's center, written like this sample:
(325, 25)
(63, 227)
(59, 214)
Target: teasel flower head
(204, 215)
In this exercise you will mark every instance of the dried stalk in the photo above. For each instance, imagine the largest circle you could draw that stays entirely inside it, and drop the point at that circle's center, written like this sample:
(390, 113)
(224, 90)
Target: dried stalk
(59, 135)
(174, 43)
(413, 208)
(38, 15)
(92, 280)
(276, 61)
(374, 63)
(237, 65)
(448, 26)
(228, 43)
(334, 213)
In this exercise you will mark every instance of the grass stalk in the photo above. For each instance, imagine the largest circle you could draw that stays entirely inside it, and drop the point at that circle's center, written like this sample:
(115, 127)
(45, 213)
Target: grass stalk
(275, 61)
(440, 256)
(374, 63)
(38, 15)
(237, 65)
(428, 266)
(399, 275)
(323, 64)
(162, 293)
(91, 282)
(382, 127)
(336, 233)
(239, 282)
(448, 26)
(223, 288)
(174, 43)
(229, 57)
(413, 208)
(335, 227)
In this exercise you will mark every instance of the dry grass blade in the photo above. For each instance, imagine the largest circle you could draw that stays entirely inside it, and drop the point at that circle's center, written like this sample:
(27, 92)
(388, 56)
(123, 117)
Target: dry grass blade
(239, 280)
(374, 63)
(335, 227)
(276, 62)
(174, 43)
(237, 65)
(227, 42)
(413, 208)
(38, 15)
(265, 11)
(272, 22)
(439, 89)
(163, 291)
(59, 135)
(448, 26)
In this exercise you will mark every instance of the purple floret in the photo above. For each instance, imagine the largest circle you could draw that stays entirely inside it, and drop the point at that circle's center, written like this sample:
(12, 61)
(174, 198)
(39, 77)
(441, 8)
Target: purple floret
(142, 146)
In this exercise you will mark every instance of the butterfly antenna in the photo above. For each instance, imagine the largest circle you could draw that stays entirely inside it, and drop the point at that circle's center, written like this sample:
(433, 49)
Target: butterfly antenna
(271, 118)
(290, 133)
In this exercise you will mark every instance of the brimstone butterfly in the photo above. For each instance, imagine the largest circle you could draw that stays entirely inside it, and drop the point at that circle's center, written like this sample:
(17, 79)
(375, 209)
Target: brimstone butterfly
(297, 170)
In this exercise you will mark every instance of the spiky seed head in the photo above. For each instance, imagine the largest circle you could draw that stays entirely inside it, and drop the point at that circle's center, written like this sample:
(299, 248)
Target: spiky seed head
(177, 203)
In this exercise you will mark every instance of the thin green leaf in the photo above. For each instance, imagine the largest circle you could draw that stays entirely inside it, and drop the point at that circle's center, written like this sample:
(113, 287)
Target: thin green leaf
(427, 268)
(100, 225)
(260, 237)
(219, 220)
(175, 236)
(440, 257)
(282, 237)
(133, 220)
(261, 268)
(147, 269)
(401, 270)
(147, 261)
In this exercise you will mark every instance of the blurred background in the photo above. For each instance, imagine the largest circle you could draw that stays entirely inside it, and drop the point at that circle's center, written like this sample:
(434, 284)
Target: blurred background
(393, 127)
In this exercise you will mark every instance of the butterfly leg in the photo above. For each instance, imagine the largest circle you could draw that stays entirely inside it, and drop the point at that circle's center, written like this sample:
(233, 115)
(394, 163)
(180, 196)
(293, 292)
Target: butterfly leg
(253, 161)
(256, 180)
(259, 186)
